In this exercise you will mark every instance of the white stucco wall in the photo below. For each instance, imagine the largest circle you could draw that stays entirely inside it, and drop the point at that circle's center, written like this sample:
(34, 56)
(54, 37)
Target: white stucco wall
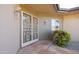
(44, 27)
(9, 29)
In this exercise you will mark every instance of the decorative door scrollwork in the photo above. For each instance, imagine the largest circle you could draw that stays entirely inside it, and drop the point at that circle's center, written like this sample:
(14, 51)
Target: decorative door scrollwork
(26, 28)
(35, 28)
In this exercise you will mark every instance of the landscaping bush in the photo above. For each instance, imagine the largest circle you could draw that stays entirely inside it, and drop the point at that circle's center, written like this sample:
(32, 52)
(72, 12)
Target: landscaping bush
(61, 38)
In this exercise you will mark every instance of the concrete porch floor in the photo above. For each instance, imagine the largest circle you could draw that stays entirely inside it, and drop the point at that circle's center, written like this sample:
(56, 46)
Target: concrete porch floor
(45, 47)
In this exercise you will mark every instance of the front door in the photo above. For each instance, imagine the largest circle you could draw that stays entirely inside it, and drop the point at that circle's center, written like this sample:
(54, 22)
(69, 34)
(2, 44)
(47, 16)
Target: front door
(27, 29)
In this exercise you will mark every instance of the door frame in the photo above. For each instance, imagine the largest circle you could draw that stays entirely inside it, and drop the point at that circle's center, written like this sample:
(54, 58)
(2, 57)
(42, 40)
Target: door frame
(32, 41)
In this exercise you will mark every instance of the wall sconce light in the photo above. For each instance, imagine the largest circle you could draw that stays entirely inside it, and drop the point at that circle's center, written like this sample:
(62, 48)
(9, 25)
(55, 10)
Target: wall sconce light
(17, 8)
(45, 22)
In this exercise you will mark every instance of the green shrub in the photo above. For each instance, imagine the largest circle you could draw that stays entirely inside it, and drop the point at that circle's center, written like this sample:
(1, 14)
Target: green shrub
(61, 38)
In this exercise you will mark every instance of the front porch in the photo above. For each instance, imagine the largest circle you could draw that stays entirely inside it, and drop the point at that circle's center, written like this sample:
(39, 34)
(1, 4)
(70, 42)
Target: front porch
(45, 47)
(28, 23)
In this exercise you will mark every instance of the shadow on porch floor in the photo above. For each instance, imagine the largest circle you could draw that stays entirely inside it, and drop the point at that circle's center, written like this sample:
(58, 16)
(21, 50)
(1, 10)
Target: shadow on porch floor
(45, 47)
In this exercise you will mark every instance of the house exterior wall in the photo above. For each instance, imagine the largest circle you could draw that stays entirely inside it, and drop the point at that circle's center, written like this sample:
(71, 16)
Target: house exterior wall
(9, 29)
(71, 24)
(44, 27)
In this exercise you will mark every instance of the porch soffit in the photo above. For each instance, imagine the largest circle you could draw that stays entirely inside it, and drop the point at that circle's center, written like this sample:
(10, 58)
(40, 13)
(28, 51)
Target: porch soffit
(41, 9)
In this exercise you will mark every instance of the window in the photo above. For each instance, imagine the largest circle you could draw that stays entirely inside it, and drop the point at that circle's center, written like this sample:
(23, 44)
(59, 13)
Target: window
(55, 25)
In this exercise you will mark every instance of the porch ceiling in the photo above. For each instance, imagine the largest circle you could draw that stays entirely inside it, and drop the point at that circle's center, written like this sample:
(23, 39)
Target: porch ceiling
(41, 9)
(45, 10)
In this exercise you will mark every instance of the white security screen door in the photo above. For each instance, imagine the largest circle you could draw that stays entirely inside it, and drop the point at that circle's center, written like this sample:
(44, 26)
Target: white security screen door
(27, 30)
